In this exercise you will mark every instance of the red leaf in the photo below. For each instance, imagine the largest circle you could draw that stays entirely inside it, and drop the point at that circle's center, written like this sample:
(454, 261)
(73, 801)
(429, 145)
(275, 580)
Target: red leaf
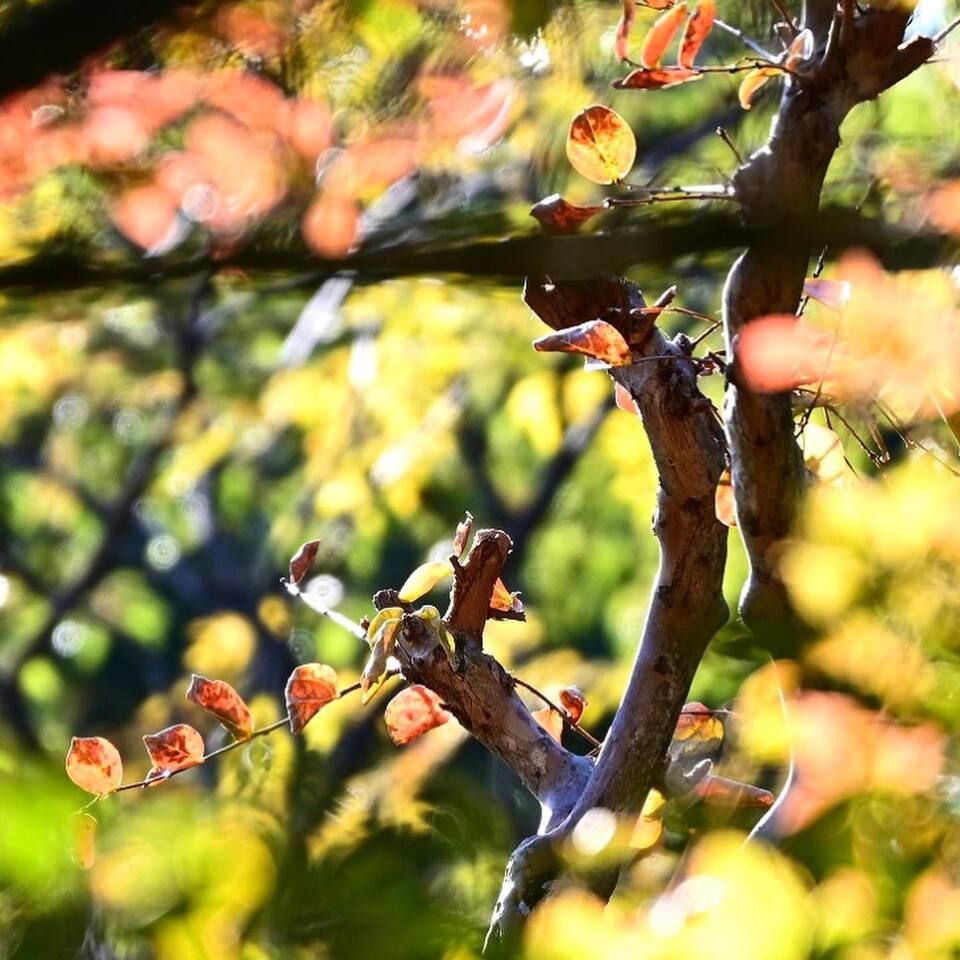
(556, 215)
(223, 702)
(302, 560)
(503, 599)
(697, 29)
(94, 764)
(413, 712)
(176, 748)
(660, 35)
(657, 79)
(595, 338)
(310, 687)
(573, 700)
(624, 26)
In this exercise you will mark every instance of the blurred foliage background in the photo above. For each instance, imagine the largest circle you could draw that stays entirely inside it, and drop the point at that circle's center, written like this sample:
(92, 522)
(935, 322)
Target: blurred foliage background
(187, 394)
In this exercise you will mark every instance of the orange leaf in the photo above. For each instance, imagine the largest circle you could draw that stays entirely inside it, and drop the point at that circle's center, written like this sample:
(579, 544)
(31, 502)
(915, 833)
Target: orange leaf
(698, 723)
(660, 36)
(556, 215)
(413, 712)
(624, 26)
(502, 599)
(624, 399)
(310, 687)
(600, 144)
(83, 837)
(462, 537)
(176, 748)
(572, 700)
(330, 225)
(551, 721)
(697, 30)
(723, 792)
(752, 82)
(302, 560)
(657, 79)
(725, 505)
(595, 338)
(94, 764)
(223, 702)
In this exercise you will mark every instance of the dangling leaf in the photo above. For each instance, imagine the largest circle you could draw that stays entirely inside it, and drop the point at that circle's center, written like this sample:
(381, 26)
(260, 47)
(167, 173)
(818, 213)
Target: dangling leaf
(595, 338)
(752, 82)
(83, 837)
(94, 764)
(223, 702)
(424, 579)
(175, 748)
(309, 688)
(461, 539)
(556, 215)
(301, 562)
(573, 700)
(658, 79)
(624, 26)
(696, 32)
(600, 145)
(412, 712)
(661, 35)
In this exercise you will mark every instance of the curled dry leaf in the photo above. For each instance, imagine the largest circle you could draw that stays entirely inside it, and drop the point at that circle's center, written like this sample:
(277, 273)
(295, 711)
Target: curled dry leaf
(385, 615)
(461, 539)
(556, 215)
(726, 507)
(696, 32)
(412, 712)
(657, 79)
(175, 748)
(220, 700)
(723, 792)
(381, 649)
(624, 26)
(302, 560)
(424, 579)
(600, 145)
(574, 701)
(800, 49)
(83, 840)
(752, 83)
(595, 338)
(94, 764)
(310, 687)
(660, 36)
(502, 599)
(551, 721)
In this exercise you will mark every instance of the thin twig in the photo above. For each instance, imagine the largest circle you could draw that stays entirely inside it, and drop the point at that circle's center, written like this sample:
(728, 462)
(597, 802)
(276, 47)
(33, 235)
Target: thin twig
(725, 137)
(744, 39)
(947, 30)
(314, 604)
(779, 7)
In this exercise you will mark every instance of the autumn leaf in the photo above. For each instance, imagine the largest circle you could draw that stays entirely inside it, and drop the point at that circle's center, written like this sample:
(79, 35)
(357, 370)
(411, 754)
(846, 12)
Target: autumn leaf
(649, 825)
(302, 560)
(94, 765)
(310, 687)
(595, 338)
(462, 537)
(83, 840)
(725, 504)
(660, 35)
(220, 700)
(556, 215)
(800, 49)
(600, 145)
(382, 617)
(658, 79)
(624, 399)
(573, 700)
(502, 599)
(413, 712)
(698, 723)
(175, 748)
(551, 721)
(723, 792)
(424, 579)
(696, 32)
(624, 26)
(752, 82)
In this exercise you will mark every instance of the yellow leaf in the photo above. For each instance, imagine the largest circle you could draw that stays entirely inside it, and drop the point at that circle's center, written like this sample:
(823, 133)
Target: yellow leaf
(424, 579)
(600, 145)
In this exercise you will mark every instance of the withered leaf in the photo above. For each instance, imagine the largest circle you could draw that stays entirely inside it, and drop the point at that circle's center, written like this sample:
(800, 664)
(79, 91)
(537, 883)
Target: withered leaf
(557, 215)
(502, 599)
(624, 399)
(657, 79)
(601, 145)
(800, 49)
(310, 687)
(220, 700)
(412, 712)
(574, 701)
(175, 748)
(302, 560)
(660, 35)
(696, 32)
(461, 539)
(94, 764)
(595, 338)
